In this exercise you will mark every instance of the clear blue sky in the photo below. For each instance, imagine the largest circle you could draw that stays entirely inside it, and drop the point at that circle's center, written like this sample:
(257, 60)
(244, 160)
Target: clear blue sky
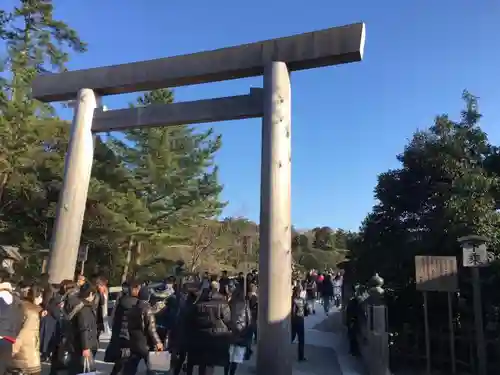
(349, 122)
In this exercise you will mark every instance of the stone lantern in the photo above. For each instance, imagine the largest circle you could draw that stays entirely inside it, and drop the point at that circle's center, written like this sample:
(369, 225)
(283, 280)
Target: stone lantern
(376, 291)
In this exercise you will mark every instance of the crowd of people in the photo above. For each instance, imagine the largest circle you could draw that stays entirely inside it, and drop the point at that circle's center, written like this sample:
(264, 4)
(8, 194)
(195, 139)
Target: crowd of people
(205, 322)
(56, 323)
(325, 287)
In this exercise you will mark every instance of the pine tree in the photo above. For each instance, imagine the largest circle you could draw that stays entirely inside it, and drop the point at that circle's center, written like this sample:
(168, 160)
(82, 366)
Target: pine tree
(175, 168)
(173, 173)
(32, 141)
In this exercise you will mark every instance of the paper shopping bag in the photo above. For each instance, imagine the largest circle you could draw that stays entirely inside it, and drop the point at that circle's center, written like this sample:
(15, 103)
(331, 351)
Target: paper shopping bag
(88, 367)
(237, 353)
(158, 363)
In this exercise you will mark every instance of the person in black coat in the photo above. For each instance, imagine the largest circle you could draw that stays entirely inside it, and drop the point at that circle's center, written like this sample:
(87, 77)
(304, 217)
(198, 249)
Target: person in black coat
(209, 336)
(352, 317)
(99, 303)
(10, 320)
(224, 283)
(141, 325)
(327, 292)
(84, 332)
(118, 349)
(52, 304)
(60, 307)
(300, 309)
(50, 316)
(241, 329)
(253, 303)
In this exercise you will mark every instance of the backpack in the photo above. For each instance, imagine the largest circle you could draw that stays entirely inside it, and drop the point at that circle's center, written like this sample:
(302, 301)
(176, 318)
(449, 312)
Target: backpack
(11, 318)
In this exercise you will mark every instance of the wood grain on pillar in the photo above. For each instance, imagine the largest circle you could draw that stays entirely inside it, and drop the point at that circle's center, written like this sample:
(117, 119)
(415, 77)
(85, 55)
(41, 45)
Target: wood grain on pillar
(73, 196)
(274, 340)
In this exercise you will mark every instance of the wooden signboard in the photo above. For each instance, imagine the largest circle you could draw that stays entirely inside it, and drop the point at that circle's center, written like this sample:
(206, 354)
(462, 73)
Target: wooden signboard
(83, 251)
(436, 273)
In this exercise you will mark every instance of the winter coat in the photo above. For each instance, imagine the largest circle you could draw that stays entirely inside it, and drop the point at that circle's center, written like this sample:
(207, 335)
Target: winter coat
(327, 287)
(253, 303)
(310, 288)
(241, 323)
(300, 308)
(119, 345)
(223, 285)
(141, 325)
(84, 326)
(208, 332)
(177, 339)
(26, 350)
(99, 304)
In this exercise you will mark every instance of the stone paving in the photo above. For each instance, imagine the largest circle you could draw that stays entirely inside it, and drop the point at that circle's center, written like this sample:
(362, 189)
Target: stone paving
(326, 351)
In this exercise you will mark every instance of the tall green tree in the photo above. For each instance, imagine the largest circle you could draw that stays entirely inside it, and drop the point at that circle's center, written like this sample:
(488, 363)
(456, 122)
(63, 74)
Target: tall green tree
(30, 138)
(441, 191)
(173, 173)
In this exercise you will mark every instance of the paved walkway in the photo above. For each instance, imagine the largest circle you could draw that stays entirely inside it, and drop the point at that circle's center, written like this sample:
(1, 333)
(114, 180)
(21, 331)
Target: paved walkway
(326, 351)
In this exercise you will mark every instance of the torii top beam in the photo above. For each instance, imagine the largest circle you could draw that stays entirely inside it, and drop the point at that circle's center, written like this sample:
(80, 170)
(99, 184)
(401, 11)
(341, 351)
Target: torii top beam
(337, 45)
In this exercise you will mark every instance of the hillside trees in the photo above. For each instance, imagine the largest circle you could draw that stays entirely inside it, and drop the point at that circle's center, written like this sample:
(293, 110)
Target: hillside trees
(319, 248)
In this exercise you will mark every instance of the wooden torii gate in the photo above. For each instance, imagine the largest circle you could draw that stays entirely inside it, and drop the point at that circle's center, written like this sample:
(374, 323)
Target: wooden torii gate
(273, 59)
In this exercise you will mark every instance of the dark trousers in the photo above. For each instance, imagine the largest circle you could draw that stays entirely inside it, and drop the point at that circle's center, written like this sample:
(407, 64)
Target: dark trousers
(352, 331)
(230, 369)
(118, 366)
(177, 361)
(76, 366)
(298, 331)
(202, 369)
(5, 356)
(254, 330)
(132, 362)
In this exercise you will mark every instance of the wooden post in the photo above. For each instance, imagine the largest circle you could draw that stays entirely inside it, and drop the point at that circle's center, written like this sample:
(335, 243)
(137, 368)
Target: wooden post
(73, 196)
(451, 335)
(274, 338)
(478, 320)
(427, 335)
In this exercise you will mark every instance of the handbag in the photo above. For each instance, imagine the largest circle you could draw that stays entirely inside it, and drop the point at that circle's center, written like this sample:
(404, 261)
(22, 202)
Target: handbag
(158, 363)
